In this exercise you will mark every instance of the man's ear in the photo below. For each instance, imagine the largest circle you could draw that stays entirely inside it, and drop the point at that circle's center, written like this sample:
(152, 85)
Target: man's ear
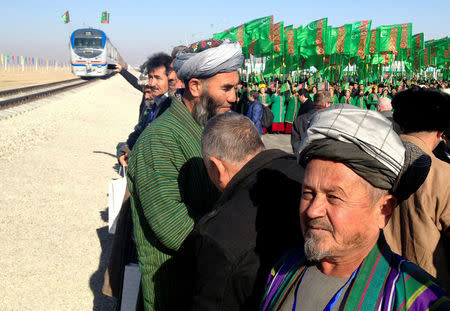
(221, 172)
(195, 87)
(386, 204)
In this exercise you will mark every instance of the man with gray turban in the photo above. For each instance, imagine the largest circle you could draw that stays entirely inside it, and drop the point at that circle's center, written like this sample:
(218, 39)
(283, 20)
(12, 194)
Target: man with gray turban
(352, 183)
(170, 188)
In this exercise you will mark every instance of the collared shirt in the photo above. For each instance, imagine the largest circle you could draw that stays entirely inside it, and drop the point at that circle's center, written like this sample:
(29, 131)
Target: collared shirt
(160, 99)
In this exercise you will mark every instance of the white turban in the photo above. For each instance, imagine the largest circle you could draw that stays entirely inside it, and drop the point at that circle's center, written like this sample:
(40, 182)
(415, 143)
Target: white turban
(210, 59)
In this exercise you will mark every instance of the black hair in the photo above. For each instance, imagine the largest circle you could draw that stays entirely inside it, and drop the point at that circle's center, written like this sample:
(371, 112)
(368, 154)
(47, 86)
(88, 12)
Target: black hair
(420, 109)
(303, 92)
(158, 60)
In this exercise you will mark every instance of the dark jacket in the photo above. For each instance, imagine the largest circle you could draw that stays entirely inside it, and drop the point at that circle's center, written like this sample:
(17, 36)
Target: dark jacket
(143, 123)
(135, 83)
(308, 105)
(225, 261)
(299, 128)
(255, 113)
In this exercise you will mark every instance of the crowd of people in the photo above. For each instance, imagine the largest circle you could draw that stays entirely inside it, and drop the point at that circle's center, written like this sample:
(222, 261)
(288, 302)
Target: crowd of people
(288, 99)
(356, 218)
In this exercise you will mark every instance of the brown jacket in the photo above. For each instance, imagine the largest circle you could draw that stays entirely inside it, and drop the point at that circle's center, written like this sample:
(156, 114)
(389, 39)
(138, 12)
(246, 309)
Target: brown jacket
(419, 228)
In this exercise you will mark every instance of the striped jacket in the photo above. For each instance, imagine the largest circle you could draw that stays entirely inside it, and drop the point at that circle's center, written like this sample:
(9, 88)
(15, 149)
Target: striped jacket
(385, 281)
(170, 190)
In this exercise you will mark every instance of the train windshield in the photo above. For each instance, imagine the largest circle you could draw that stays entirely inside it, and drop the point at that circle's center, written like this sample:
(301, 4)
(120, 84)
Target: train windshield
(93, 43)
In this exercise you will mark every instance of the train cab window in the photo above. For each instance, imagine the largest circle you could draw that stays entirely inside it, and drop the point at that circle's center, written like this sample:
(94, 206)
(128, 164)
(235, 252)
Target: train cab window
(93, 43)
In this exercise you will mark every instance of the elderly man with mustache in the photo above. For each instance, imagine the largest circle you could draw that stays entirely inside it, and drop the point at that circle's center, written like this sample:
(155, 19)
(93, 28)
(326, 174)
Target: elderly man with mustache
(353, 181)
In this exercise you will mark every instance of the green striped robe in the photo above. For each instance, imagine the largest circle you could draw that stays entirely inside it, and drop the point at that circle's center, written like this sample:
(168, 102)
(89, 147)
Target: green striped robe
(170, 189)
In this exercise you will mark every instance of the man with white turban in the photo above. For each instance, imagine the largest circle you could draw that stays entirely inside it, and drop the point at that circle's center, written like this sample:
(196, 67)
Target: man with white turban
(170, 188)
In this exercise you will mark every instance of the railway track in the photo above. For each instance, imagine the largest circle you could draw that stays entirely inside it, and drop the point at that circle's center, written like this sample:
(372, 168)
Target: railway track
(19, 96)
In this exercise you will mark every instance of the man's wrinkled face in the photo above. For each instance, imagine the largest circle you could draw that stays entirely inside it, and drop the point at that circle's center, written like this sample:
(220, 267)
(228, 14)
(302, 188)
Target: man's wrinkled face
(219, 92)
(337, 215)
(173, 81)
(158, 81)
(148, 93)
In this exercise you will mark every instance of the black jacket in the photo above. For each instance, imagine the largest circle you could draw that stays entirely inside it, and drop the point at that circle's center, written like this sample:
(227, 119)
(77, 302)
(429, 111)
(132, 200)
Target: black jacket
(225, 261)
(299, 127)
(308, 105)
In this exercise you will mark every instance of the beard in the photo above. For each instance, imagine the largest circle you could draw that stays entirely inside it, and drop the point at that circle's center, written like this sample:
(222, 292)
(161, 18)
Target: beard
(312, 250)
(205, 109)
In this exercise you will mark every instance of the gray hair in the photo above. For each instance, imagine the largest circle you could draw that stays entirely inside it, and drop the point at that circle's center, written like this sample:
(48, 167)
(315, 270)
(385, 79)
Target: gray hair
(230, 137)
(322, 98)
(177, 50)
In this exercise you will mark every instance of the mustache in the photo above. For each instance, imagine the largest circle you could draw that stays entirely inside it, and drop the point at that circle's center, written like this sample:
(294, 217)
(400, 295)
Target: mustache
(318, 223)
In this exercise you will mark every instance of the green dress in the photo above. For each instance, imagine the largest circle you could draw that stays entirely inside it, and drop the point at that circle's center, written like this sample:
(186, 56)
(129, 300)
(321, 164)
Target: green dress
(264, 100)
(335, 99)
(278, 108)
(372, 101)
(170, 190)
(292, 109)
(359, 102)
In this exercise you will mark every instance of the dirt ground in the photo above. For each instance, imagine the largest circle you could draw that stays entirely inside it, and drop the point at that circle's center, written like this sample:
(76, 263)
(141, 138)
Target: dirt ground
(56, 162)
(15, 77)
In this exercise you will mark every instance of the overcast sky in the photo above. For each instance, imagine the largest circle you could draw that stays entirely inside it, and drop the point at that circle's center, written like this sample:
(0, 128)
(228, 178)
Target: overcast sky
(140, 28)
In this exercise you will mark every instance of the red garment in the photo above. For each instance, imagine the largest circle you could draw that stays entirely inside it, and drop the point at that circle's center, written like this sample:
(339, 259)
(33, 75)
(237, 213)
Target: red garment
(287, 127)
(278, 127)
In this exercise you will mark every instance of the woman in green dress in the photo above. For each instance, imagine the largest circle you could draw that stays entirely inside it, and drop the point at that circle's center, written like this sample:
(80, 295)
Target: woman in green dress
(359, 100)
(371, 99)
(347, 99)
(264, 99)
(333, 96)
(278, 108)
(291, 112)
(386, 93)
(313, 92)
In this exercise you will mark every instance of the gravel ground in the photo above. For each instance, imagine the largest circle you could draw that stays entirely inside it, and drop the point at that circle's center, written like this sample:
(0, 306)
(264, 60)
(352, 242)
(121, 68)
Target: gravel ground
(15, 78)
(55, 163)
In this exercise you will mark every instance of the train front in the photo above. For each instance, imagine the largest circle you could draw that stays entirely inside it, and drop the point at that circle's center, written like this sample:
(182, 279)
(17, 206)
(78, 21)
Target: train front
(88, 53)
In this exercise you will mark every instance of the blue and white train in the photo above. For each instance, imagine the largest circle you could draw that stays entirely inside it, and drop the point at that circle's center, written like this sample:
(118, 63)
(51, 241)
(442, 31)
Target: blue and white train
(91, 52)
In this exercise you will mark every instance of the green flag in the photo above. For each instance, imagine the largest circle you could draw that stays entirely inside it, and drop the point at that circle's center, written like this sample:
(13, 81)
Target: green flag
(388, 38)
(331, 42)
(417, 43)
(359, 39)
(311, 39)
(235, 33)
(65, 17)
(256, 36)
(105, 18)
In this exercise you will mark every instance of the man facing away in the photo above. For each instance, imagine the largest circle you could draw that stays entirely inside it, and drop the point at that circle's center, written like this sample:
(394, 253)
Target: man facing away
(225, 261)
(306, 102)
(168, 182)
(420, 228)
(322, 99)
(255, 110)
(352, 181)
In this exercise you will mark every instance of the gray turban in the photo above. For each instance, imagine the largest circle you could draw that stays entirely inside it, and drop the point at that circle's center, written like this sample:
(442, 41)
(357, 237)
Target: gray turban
(205, 59)
(365, 142)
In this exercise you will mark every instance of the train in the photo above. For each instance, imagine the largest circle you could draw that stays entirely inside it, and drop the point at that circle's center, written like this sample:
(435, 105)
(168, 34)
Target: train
(92, 53)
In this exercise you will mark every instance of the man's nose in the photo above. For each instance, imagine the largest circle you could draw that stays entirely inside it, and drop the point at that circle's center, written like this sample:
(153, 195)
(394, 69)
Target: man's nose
(316, 207)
